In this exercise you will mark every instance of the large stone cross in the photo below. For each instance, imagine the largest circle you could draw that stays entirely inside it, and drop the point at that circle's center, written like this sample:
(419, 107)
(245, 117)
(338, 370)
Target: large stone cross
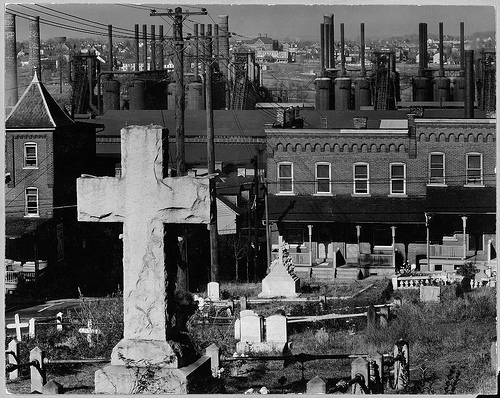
(143, 201)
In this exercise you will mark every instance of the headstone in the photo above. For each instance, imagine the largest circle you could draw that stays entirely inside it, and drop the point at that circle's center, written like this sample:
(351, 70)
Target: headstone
(280, 282)
(322, 337)
(89, 331)
(213, 352)
(144, 200)
(251, 328)
(213, 291)
(18, 325)
(37, 373)
(246, 313)
(12, 358)
(430, 293)
(237, 329)
(384, 315)
(359, 366)
(371, 316)
(317, 385)
(52, 388)
(276, 329)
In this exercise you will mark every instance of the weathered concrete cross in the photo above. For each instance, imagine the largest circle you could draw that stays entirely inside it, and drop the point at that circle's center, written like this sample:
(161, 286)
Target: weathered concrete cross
(18, 325)
(143, 201)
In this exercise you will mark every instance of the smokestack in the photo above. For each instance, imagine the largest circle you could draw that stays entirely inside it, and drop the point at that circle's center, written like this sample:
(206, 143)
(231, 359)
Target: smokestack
(462, 47)
(363, 68)
(469, 84)
(110, 45)
(145, 46)
(11, 93)
(202, 47)
(153, 47)
(34, 58)
(196, 50)
(327, 45)
(342, 49)
(137, 60)
(426, 60)
(420, 49)
(162, 53)
(224, 55)
(441, 50)
(332, 43)
(322, 49)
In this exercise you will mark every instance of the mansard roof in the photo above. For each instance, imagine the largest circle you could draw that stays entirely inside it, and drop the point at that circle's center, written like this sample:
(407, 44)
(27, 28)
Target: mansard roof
(37, 109)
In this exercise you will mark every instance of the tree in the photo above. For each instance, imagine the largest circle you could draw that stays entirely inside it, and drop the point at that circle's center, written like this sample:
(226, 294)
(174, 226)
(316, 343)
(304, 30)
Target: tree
(236, 247)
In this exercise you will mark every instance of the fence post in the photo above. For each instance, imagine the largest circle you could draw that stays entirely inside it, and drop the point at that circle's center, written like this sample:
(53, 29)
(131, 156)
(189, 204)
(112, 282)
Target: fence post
(359, 366)
(38, 378)
(401, 365)
(59, 321)
(376, 383)
(31, 328)
(213, 352)
(13, 359)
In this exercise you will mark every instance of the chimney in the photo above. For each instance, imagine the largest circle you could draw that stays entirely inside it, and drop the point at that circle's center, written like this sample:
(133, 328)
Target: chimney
(11, 93)
(136, 39)
(34, 57)
(224, 55)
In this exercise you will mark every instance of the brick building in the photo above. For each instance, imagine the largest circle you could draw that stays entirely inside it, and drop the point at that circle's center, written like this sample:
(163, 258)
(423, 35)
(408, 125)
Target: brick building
(372, 182)
(45, 152)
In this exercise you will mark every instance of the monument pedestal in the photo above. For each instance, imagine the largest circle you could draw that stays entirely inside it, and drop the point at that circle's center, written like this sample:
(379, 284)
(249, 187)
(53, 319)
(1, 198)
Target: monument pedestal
(123, 379)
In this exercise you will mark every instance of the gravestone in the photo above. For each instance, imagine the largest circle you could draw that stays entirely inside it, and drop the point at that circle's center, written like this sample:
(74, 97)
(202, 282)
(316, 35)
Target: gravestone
(213, 291)
(430, 293)
(251, 328)
(280, 282)
(143, 200)
(317, 385)
(276, 329)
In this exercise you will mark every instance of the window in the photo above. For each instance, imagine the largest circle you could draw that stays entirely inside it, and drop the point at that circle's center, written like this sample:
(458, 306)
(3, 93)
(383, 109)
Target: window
(323, 178)
(474, 169)
(285, 178)
(30, 155)
(361, 175)
(31, 202)
(398, 178)
(436, 168)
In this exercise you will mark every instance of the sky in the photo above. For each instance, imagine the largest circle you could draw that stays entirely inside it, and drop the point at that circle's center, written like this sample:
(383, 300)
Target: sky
(251, 20)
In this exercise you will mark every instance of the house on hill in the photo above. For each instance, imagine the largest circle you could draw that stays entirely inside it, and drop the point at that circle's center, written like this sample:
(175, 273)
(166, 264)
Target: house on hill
(46, 151)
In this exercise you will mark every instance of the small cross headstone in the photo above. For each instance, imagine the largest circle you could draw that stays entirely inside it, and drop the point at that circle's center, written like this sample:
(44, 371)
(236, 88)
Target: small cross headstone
(59, 321)
(317, 385)
(18, 325)
(213, 292)
(89, 332)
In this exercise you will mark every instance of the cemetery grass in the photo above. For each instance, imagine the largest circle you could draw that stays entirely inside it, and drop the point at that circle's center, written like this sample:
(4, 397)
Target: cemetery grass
(449, 341)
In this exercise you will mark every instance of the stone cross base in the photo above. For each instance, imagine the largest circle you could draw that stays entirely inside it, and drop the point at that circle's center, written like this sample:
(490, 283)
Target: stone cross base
(267, 347)
(121, 379)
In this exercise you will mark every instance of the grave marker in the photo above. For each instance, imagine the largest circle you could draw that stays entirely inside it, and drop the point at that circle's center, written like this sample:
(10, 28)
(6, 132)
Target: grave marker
(276, 329)
(89, 331)
(18, 325)
(143, 200)
(251, 328)
(213, 291)
(430, 293)
(317, 385)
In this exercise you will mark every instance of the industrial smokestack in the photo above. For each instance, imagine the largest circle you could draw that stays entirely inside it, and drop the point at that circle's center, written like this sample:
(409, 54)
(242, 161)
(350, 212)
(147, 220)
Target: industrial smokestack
(469, 84)
(342, 50)
(363, 68)
(420, 49)
(34, 58)
(202, 47)
(327, 44)
(162, 53)
(332, 43)
(322, 49)
(110, 45)
(153, 47)
(462, 47)
(426, 60)
(11, 93)
(145, 46)
(137, 59)
(224, 55)
(196, 50)
(441, 50)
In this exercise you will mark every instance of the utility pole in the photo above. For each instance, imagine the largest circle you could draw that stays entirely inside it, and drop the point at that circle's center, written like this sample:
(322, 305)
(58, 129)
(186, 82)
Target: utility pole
(214, 257)
(178, 17)
(255, 161)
